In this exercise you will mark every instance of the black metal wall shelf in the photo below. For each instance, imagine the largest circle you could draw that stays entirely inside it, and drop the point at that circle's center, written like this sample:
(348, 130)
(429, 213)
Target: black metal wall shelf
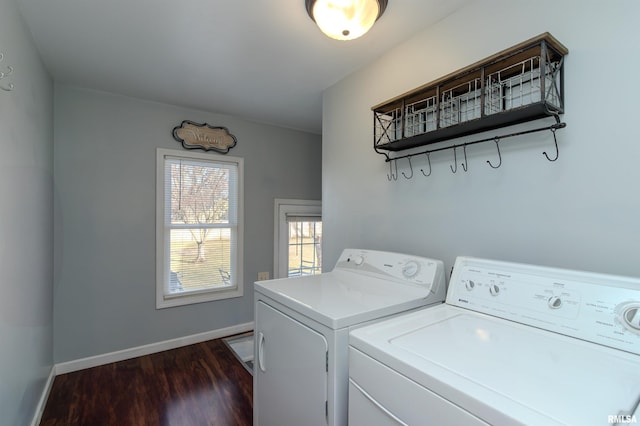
(519, 84)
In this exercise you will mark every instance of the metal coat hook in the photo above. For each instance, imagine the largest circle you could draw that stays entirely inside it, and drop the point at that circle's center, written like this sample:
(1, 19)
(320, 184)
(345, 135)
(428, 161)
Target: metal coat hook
(429, 162)
(455, 160)
(3, 74)
(464, 150)
(410, 168)
(392, 175)
(497, 140)
(555, 141)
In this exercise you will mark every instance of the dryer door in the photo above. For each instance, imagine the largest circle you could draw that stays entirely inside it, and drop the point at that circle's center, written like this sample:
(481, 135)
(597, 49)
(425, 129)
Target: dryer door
(290, 382)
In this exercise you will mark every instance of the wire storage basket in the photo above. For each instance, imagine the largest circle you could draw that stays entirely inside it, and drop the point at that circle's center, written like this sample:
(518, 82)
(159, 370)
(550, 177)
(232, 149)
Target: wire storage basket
(461, 103)
(388, 124)
(519, 84)
(421, 116)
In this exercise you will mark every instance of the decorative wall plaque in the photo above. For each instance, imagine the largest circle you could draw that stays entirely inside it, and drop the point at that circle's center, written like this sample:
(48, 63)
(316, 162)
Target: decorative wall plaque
(202, 136)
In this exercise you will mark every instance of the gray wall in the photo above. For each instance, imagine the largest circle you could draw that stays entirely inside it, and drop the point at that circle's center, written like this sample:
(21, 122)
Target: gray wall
(26, 225)
(580, 212)
(105, 159)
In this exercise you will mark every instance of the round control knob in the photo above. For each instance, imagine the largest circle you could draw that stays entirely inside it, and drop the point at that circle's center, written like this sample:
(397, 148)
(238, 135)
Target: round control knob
(554, 302)
(494, 289)
(631, 317)
(628, 315)
(470, 285)
(410, 269)
(358, 260)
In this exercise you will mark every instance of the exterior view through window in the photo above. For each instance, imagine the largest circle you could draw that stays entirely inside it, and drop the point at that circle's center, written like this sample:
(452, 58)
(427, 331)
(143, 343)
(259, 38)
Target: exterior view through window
(200, 216)
(304, 246)
(297, 237)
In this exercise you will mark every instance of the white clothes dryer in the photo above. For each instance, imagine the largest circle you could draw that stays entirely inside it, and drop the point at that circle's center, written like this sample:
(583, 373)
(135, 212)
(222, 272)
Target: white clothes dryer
(513, 344)
(302, 328)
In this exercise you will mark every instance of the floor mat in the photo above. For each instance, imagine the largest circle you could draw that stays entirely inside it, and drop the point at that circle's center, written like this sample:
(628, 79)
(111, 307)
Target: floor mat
(242, 347)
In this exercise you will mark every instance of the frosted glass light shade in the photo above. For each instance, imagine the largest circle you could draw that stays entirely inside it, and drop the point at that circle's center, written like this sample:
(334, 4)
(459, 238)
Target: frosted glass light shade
(345, 19)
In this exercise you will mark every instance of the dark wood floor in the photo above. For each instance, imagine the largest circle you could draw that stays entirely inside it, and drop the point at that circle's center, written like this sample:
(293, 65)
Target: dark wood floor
(201, 384)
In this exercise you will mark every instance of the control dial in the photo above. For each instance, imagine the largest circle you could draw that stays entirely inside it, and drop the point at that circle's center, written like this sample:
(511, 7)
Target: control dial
(358, 260)
(554, 302)
(630, 316)
(494, 289)
(410, 269)
(470, 285)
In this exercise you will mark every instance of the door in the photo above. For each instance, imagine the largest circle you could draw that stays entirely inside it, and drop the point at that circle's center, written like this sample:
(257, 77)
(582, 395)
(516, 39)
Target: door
(298, 238)
(290, 367)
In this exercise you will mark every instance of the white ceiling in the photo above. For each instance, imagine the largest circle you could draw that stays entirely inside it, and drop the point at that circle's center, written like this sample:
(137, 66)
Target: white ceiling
(262, 60)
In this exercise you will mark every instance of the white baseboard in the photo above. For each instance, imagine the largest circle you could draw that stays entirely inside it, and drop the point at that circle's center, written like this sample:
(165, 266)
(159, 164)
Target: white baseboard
(44, 397)
(94, 361)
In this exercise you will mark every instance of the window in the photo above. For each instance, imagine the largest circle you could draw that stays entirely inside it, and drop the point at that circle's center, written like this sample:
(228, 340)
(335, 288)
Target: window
(199, 227)
(298, 238)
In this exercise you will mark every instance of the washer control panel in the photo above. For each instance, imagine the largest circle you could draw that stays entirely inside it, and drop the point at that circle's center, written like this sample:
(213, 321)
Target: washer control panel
(600, 308)
(396, 266)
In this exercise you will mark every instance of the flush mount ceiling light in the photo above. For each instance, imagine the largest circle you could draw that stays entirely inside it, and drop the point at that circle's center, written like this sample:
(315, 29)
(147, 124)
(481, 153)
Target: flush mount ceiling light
(345, 19)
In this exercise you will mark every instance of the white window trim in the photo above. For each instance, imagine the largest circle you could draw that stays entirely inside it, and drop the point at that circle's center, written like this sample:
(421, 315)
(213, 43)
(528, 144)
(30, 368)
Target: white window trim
(283, 207)
(162, 256)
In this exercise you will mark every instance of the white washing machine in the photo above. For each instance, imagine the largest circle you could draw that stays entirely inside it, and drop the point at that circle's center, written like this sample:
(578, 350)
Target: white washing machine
(302, 329)
(513, 344)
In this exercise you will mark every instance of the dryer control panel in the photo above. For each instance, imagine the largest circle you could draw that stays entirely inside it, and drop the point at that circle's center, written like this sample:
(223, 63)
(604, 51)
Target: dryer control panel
(600, 308)
(405, 268)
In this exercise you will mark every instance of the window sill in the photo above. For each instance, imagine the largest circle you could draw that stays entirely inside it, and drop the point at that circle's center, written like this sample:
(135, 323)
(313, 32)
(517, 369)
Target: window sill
(188, 298)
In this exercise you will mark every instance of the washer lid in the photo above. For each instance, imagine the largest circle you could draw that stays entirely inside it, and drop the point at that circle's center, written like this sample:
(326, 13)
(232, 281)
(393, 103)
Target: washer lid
(505, 372)
(342, 298)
